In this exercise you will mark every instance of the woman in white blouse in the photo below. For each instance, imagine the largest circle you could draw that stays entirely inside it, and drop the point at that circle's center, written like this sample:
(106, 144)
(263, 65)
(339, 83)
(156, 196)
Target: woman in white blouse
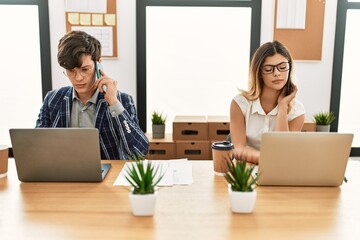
(268, 105)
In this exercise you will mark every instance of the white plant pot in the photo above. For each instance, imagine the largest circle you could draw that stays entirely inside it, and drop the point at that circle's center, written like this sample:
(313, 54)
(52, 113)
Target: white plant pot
(323, 128)
(143, 204)
(242, 202)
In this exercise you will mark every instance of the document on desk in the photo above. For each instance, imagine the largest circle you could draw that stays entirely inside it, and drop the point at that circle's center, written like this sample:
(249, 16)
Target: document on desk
(176, 172)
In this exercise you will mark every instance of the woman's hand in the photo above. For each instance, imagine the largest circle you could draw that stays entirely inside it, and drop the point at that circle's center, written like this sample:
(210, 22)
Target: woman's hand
(286, 100)
(248, 154)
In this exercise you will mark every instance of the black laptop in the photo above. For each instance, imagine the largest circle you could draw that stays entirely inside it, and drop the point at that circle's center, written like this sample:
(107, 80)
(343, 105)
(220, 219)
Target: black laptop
(58, 155)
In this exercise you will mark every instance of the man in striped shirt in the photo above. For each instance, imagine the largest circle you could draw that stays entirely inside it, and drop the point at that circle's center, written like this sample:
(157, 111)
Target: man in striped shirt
(93, 102)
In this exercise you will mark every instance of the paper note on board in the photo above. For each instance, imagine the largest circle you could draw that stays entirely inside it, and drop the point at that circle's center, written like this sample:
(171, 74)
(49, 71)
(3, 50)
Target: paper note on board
(103, 34)
(110, 19)
(97, 19)
(291, 14)
(73, 18)
(89, 6)
(85, 19)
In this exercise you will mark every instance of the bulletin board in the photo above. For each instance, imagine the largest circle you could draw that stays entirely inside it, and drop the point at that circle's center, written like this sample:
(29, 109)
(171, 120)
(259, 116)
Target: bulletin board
(305, 44)
(101, 25)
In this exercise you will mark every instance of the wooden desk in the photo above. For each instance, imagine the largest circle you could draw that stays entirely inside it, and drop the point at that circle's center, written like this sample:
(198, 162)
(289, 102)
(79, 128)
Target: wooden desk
(200, 211)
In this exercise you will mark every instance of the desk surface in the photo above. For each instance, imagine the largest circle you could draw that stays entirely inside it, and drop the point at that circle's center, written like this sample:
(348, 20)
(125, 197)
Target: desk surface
(200, 211)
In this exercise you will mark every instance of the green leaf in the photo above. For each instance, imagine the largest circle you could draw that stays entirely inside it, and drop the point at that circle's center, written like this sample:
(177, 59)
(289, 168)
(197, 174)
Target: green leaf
(240, 176)
(142, 178)
(324, 118)
(158, 118)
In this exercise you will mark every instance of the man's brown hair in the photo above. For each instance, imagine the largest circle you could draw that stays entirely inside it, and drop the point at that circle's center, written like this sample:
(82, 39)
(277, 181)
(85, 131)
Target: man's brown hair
(73, 45)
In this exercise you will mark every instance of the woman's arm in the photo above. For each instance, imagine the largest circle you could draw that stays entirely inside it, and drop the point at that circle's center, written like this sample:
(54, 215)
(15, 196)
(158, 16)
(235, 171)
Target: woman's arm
(238, 135)
(282, 123)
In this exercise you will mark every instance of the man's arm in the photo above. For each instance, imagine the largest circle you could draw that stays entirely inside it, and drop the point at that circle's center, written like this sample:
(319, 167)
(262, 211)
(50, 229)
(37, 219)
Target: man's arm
(131, 136)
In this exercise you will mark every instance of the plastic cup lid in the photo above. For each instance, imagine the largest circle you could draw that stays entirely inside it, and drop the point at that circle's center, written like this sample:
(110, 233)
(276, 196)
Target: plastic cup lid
(224, 145)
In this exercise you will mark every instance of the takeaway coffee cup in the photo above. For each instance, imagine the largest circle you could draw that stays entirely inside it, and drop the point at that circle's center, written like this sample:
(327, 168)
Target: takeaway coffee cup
(3, 160)
(222, 154)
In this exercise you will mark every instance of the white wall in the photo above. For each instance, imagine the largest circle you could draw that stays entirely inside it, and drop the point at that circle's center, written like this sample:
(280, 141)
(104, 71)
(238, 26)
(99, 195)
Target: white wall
(312, 78)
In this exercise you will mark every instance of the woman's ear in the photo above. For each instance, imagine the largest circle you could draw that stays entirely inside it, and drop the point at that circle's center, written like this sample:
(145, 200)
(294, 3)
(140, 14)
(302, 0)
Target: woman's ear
(100, 60)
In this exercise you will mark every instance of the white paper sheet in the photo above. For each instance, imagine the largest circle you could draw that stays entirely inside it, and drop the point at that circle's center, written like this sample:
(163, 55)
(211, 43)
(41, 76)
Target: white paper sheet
(176, 172)
(291, 14)
(103, 34)
(93, 6)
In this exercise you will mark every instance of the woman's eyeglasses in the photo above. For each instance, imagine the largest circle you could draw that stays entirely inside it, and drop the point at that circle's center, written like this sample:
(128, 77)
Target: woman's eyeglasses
(282, 67)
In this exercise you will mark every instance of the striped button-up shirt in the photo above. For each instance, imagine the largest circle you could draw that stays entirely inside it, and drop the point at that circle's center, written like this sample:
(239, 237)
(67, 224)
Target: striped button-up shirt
(120, 136)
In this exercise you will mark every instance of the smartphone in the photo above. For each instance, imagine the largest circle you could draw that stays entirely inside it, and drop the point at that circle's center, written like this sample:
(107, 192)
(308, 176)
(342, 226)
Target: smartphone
(98, 66)
(288, 86)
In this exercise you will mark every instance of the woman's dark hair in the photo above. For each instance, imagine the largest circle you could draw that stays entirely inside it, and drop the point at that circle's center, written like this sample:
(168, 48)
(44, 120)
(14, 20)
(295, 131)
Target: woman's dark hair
(73, 45)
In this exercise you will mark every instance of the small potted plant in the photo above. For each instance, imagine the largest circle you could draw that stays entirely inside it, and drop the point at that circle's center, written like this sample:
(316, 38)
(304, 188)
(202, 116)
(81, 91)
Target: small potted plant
(241, 186)
(143, 177)
(158, 125)
(323, 121)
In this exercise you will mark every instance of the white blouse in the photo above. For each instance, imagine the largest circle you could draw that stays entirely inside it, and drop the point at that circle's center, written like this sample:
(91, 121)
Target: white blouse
(257, 122)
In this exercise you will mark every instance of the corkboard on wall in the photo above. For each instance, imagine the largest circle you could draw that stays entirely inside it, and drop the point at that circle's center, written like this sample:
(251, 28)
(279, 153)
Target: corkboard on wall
(305, 44)
(99, 25)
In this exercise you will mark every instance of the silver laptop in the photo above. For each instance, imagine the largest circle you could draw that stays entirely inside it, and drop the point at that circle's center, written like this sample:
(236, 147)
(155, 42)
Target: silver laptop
(304, 158)
(58, 155)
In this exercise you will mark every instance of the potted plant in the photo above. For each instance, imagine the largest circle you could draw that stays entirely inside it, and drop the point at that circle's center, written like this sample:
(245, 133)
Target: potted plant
(158, 125)
(241, 186)
(323, 121)
(143, 177)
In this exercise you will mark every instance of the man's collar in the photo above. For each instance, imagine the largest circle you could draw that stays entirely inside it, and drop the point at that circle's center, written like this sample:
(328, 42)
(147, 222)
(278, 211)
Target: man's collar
(93, 99)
